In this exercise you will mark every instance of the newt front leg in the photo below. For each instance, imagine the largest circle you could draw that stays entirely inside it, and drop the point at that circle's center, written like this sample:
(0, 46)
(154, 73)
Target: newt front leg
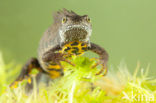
(53, 60)
(103, 57)
(52, 56)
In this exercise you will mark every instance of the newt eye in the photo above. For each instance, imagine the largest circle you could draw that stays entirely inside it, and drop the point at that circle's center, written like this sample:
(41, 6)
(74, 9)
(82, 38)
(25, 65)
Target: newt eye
(88, 19)
(64, 20)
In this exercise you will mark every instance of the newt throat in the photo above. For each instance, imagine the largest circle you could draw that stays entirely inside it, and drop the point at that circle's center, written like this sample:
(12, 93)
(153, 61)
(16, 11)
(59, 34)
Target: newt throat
(75, 34)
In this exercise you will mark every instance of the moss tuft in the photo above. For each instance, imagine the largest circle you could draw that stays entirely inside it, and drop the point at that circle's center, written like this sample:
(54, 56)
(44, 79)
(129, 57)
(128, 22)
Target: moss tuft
(81, 85)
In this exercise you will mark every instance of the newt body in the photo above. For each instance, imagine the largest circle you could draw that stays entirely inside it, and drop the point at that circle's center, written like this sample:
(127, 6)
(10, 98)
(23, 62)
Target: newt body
(69, 35)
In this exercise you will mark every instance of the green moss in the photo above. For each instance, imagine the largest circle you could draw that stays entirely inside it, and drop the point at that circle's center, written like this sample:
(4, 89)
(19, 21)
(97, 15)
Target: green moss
(81, 85)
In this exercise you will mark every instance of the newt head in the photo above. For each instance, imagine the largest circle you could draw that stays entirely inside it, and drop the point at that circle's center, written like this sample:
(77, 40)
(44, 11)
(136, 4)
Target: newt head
(72, 27)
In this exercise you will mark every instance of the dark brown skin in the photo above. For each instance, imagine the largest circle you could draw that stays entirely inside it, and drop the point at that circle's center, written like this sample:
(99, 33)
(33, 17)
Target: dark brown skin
(69, 35)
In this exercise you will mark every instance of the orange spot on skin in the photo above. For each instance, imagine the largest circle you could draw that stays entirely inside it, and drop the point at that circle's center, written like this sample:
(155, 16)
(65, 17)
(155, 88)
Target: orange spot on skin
(54, 74)
(29, 80)
(54, 67)
(14, 84)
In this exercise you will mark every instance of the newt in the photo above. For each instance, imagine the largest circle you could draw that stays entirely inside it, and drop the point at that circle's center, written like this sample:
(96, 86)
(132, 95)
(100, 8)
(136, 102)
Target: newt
(68, 35)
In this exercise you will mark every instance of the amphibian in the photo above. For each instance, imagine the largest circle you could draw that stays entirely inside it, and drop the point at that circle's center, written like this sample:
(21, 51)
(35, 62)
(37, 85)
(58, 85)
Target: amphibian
(68, 35)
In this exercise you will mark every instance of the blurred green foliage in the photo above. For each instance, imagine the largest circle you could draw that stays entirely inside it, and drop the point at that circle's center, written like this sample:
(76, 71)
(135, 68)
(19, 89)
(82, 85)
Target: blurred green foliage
(125, 28)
